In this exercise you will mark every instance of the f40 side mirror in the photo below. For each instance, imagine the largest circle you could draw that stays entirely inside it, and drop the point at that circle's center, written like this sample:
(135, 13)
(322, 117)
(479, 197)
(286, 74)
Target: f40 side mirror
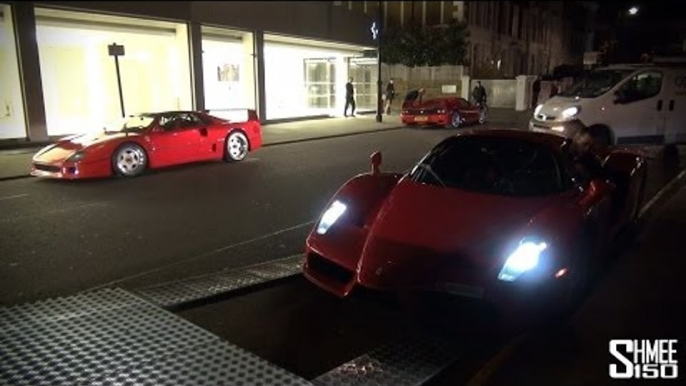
(376, 162)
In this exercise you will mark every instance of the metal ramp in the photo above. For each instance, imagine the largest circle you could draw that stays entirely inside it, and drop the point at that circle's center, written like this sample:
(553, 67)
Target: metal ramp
(111, 337)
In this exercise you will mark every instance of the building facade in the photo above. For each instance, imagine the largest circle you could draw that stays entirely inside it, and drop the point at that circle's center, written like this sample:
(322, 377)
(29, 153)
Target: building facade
(284, 59)
(507, 38)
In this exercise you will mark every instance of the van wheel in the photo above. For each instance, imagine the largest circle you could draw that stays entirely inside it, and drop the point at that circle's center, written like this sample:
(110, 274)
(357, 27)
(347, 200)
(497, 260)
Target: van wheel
(601, 136)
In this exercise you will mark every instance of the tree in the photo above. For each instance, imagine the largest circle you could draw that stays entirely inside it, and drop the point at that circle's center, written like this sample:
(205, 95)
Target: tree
(415, 46)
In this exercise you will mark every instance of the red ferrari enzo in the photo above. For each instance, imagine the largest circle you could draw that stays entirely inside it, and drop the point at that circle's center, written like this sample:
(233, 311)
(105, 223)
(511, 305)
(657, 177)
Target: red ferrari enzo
(503, 216)
(448, 112)
(143, 141)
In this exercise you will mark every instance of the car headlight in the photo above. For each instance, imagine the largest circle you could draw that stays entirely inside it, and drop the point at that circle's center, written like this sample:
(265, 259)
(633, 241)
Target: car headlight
(76, 157)
(569, 112)
(330, 217)
(523, 259)
(44, 150)
(538, 109)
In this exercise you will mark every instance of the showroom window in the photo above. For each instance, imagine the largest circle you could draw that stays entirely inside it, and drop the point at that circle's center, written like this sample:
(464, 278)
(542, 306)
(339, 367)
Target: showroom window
(363, 71)
(306, 78)
(12, 119)
(79, 77)
(228, 71)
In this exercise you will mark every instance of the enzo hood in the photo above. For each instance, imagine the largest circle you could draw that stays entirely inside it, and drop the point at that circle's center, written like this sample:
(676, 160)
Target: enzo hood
(423, 231)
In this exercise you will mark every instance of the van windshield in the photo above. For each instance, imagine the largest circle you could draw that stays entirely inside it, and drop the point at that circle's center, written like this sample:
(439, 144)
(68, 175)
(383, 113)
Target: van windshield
(596, 83)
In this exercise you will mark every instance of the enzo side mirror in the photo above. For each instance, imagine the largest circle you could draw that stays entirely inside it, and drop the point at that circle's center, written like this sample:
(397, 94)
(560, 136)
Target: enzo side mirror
(376, 162)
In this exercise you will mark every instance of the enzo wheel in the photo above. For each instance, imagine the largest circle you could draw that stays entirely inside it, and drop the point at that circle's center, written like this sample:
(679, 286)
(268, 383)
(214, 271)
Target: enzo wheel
(129, 160)
(455, 120)
(236, 147)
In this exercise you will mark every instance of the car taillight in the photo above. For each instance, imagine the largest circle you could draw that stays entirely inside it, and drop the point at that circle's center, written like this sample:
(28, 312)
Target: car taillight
(441, 111)
(252, 115)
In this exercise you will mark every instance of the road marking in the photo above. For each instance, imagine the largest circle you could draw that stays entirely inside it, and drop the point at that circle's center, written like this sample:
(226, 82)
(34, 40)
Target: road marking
(13, 197)
(205, 254)
(55, 211)
(494, 363)
(661, 192)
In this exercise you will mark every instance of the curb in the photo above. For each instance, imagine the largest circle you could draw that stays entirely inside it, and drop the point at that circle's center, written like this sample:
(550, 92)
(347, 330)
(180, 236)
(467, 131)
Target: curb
(287, 142)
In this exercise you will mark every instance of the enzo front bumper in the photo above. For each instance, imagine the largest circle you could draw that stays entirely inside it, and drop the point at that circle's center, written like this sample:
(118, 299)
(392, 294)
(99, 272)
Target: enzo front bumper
(508, 298)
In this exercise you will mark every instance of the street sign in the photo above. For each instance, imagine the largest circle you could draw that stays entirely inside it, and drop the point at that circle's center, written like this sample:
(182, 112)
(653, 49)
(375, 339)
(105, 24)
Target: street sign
(115, 49)
(375, 31)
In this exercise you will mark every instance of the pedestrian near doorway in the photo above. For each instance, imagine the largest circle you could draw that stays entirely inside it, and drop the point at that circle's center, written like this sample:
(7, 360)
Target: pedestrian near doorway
(390, 95)
(349, 98)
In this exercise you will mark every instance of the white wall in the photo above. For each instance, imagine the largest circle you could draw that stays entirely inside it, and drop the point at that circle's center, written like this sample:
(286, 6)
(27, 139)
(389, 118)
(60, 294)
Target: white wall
(12, 120)
(500, 92)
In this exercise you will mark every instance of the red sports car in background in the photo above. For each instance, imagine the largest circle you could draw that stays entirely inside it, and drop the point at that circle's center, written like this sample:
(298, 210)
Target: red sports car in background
(503, 216)
(449, 112)
(143, 141)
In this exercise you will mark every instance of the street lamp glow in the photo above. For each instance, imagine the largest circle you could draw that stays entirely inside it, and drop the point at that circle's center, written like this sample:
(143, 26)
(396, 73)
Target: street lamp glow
(633, 10)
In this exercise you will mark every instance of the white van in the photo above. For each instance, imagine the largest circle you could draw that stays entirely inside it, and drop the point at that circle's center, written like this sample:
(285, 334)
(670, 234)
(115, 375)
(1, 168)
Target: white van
(621, 104)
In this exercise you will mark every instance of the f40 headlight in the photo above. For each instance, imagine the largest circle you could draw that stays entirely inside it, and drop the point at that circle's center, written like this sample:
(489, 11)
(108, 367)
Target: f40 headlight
(78, 156)
(332, 214)
(525, 258)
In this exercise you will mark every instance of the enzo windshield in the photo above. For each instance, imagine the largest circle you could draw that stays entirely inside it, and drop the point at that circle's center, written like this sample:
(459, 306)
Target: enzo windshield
(502, 166)
(132, 123)
(596, 83)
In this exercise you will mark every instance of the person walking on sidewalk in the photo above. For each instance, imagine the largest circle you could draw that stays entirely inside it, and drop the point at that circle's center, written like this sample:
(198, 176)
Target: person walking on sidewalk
(536, 91)
(349, 98)
(479, 94)
(390, 95)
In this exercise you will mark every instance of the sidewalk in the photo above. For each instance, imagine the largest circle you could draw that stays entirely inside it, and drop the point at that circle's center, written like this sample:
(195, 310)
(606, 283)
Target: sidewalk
(16, 163)
(640, 298)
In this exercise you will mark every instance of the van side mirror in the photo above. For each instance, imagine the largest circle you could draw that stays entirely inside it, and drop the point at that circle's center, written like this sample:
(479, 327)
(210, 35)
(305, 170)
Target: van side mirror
(376, 162)
(620, 96)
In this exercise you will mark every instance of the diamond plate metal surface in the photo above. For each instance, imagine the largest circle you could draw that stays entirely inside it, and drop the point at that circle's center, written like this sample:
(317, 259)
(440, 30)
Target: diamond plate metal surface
(198, 288)
(411, 361)
(117, 338)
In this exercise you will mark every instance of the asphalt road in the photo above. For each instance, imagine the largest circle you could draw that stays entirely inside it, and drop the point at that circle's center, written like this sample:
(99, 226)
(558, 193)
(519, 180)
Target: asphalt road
(62, 237)
(59, 238)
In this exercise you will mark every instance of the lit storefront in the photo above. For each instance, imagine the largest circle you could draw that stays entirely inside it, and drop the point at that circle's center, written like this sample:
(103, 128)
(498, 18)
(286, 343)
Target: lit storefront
(228, 70)
(58, 77)
(12, 122)
(79, 77)
(305, 78)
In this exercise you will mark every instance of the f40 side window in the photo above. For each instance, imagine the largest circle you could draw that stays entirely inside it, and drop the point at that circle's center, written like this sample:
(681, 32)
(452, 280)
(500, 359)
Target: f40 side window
(642, 86)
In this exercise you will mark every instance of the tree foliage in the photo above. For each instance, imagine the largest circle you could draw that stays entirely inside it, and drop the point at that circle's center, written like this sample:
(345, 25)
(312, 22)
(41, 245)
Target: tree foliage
(415, 46)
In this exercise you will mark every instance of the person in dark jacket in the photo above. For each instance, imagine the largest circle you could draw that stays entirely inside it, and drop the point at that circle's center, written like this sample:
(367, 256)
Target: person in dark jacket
(536, 91)
(349, 98)
(479, 94)
(390, 95)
